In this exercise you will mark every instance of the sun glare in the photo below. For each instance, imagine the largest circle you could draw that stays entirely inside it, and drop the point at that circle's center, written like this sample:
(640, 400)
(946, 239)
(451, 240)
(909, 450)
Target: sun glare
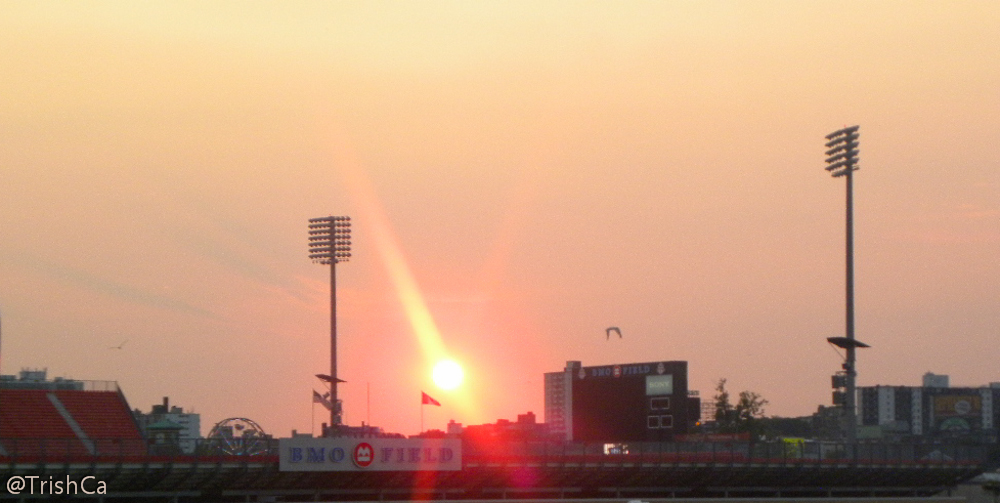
(447, 374)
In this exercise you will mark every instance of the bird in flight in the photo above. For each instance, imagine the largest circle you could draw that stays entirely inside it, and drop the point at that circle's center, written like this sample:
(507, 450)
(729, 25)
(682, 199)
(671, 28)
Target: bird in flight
(120, 345)
(615, 330)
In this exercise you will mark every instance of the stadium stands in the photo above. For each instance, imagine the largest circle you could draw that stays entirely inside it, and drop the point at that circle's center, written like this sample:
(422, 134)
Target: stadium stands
(72, 434)
(67, 424)
(105, 418)
(31, 424)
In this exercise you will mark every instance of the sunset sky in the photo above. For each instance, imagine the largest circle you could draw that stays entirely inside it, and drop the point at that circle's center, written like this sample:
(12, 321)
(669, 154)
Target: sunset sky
(520, 176)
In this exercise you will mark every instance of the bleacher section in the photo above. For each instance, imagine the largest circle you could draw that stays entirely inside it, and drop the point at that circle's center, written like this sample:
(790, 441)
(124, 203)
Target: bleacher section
(106, 420)
(31, 424)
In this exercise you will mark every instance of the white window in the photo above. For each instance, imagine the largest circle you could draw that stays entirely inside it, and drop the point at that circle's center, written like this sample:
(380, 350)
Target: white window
(659, 403)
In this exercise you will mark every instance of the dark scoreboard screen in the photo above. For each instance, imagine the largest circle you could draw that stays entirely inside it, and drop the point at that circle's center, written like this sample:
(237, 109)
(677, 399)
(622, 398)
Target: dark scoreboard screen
(633, 402)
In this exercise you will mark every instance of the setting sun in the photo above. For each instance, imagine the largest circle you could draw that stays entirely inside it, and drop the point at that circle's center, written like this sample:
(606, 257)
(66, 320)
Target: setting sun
(447, 374)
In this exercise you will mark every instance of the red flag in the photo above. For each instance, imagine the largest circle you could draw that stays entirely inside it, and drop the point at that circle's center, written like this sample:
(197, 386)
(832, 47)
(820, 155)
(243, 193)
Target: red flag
(426, 399)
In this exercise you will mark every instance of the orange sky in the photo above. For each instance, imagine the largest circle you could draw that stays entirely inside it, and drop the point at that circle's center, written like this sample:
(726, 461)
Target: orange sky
(520, 176)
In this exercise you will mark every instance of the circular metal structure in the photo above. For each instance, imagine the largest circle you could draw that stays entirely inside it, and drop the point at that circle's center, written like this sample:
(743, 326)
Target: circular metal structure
(238, 436)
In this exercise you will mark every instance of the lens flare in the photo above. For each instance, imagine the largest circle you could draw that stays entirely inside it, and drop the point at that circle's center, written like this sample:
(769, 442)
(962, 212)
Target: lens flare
(448, 374)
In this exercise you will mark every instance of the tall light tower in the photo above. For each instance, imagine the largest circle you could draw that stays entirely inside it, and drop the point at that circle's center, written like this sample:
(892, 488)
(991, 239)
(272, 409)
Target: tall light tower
(842, 160)
(330, 243)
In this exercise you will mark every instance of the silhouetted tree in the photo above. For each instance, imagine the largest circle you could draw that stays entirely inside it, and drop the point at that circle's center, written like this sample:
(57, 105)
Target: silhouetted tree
(741, 418)
(749, 409)
(725, 417)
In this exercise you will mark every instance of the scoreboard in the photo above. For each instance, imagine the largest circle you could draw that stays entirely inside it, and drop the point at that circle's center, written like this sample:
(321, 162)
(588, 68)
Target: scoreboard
(630, 402)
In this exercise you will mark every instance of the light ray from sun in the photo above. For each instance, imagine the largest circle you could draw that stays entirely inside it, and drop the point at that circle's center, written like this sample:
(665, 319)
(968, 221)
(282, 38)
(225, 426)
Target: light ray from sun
(377, 226)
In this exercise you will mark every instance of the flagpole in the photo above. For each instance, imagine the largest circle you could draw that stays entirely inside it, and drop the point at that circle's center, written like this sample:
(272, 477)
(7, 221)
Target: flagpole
(312, 423)
(421, 416)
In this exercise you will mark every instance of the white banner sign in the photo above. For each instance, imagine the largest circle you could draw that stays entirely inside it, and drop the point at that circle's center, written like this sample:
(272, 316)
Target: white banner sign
(304, 454)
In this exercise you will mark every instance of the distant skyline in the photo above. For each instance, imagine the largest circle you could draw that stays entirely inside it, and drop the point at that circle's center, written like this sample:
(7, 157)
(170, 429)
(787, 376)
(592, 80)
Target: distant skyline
(520, 176)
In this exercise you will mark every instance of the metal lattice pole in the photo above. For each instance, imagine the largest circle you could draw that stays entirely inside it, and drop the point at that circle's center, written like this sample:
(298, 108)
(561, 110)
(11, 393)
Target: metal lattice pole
(842, 161)
(330, 243)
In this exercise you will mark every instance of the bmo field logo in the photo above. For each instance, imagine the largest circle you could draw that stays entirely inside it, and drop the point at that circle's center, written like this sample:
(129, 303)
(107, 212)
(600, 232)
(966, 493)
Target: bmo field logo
(363, 455)
(305, 453)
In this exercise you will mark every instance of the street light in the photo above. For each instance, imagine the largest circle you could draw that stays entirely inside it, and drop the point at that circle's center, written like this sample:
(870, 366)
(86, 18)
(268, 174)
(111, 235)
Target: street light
(842, 160)
(330, 243)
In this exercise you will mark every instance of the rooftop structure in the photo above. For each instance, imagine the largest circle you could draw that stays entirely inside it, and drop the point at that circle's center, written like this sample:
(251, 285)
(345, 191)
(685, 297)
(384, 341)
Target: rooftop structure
(38, 379)
(188, 424)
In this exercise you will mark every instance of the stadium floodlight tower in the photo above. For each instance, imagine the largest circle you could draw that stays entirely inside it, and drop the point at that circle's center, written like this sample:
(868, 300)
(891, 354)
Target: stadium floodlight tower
(330, 243)
(842, 160)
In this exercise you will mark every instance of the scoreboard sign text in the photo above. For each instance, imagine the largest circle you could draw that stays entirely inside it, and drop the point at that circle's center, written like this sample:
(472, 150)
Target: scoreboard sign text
(304, 454)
